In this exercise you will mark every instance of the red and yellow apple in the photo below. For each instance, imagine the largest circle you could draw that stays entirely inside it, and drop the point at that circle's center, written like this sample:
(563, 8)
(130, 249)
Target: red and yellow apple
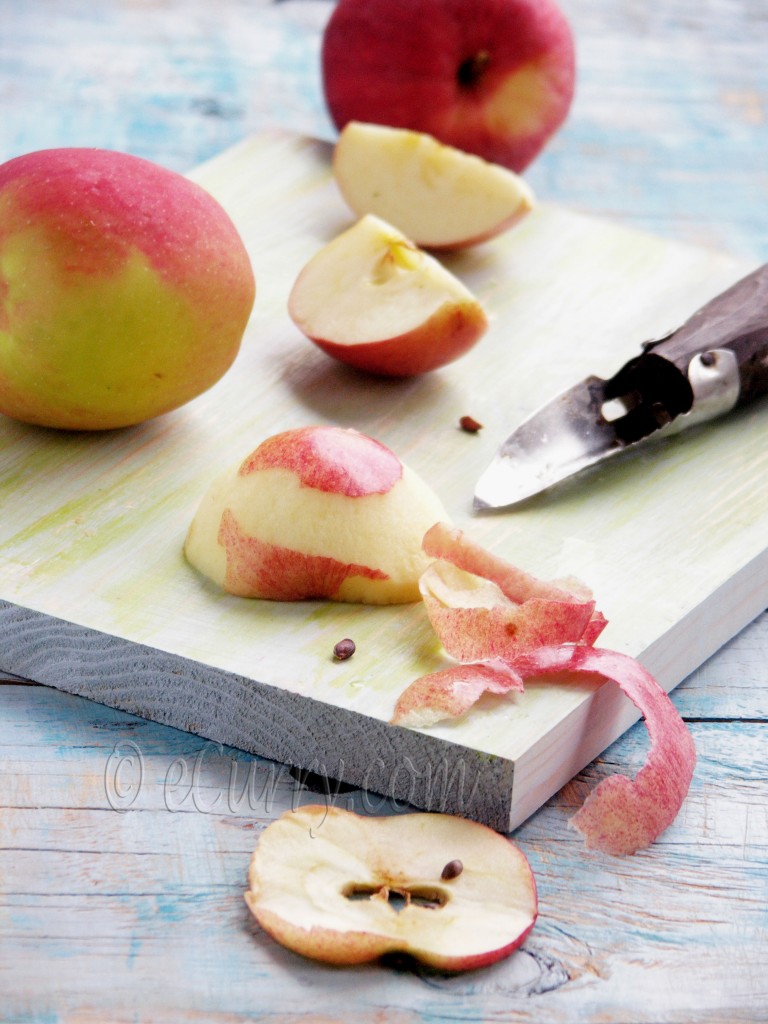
(125, 289)
(348, 889)
(494, 77)
(316, 512)
(437, 195)
(374, 300)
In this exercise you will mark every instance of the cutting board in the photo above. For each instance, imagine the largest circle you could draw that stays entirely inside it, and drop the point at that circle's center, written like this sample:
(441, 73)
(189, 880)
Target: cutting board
(97, 599)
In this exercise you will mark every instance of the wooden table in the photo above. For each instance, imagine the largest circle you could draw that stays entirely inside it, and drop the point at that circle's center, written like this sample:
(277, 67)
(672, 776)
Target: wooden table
(124, 844)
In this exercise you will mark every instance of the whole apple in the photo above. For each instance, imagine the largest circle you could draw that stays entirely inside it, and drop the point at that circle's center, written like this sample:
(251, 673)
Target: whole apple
(125, 289)
(491, 77)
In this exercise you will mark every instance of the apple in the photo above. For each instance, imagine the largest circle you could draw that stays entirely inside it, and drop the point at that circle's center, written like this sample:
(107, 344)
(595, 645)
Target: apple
(125, 289)
(345, 888)
(316, 512)
(496, 80)
(437, 195)
(374, 300)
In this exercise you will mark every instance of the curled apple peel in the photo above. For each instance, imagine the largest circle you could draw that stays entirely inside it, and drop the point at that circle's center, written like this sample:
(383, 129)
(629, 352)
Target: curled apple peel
(451, 692)
(482, 607)
(623, 815)
(507, 627)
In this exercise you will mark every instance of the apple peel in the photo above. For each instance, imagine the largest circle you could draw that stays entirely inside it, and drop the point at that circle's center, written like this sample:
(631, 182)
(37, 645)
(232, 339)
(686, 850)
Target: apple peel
(483, 607)
(623, 815)
(255, 567)
(451, 692)
(473, 599)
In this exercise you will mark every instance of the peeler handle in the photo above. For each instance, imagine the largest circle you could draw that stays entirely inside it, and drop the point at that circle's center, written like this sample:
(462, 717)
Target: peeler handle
(737, 321)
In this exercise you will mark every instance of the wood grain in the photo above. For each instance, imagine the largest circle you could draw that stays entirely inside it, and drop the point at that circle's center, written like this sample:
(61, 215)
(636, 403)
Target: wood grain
(150, 894)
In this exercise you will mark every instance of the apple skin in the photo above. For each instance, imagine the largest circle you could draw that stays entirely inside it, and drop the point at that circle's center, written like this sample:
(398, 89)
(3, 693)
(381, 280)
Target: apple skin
(446, 336)
(497, 81)
(125, 289)
(373, 300)
(310, 862)
(329, 459)
(315, 512)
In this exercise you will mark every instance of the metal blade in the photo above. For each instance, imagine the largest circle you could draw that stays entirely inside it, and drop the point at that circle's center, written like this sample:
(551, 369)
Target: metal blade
(564, 437)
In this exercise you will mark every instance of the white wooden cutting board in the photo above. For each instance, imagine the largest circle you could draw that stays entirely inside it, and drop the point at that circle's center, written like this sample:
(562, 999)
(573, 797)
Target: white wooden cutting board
(96, 598)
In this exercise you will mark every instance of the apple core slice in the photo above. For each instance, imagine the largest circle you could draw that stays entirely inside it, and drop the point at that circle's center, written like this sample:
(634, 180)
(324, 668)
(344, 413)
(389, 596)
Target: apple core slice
(348, 889)
(315, 512)
(437, 195)
(374, 300)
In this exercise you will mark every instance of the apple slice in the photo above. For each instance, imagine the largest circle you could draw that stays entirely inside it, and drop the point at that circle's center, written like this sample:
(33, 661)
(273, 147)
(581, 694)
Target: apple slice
(316, 512)
(326, 883)
(437, 195)
(374, 300)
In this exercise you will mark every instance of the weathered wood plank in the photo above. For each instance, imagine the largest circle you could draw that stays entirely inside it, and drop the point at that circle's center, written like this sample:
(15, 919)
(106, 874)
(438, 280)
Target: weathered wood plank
(153, 899)
(734, 684)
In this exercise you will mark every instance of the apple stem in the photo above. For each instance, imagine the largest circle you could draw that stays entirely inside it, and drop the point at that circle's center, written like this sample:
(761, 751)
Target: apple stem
(472, 69)
(452, 870)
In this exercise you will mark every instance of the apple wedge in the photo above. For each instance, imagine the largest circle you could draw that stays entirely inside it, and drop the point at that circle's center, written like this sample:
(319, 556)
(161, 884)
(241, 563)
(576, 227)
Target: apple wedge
(348, 889)
(374, 300)
(315, 512)
(437, 195)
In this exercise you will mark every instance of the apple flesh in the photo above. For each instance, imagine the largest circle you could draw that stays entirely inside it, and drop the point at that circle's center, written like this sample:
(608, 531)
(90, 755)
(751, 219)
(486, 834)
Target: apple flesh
(316, 512)
(321, 882)
(125, 289)
(437, 195)
(497, 81)
(374, 300)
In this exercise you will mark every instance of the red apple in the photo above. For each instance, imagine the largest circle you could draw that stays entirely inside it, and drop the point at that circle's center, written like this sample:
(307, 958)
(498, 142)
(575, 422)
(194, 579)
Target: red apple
(125, 289)
(316, 512)
(374, 300)
(494, 77)
(347, 889)
(437, 195)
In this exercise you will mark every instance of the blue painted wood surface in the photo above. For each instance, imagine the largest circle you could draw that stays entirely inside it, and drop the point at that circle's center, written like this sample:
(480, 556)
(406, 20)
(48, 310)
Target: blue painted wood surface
(124, 845)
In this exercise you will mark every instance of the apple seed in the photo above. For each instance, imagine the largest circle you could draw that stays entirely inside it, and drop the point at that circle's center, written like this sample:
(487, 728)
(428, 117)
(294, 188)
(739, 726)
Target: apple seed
(344, 649)
(452, 870)
(470, 425)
